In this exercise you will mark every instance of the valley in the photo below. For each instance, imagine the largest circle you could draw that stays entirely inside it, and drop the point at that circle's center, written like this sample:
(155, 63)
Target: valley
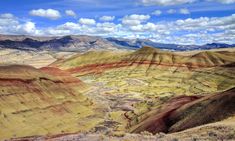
(122, 94)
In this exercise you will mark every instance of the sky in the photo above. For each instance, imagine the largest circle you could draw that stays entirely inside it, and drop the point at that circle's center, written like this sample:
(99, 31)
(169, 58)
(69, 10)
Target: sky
(163, 21)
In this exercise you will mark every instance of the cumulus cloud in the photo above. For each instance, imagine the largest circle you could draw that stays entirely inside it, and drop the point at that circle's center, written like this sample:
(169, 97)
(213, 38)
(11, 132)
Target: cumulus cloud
(107, 18)
(184, 11)
(70, 13)
(133, 20)
(69, 26)
(87, 21)
(106, 27)
(47, 13)
(9, 24)
(7, 15)
(29, 27)
(157, 12)
(8, 19)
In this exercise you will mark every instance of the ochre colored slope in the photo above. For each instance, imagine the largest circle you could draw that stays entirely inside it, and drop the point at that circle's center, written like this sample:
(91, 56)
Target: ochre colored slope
(41, 102)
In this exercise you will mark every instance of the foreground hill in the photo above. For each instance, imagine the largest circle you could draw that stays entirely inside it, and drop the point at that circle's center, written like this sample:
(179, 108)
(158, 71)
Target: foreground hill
(42, 102)
(182, 113)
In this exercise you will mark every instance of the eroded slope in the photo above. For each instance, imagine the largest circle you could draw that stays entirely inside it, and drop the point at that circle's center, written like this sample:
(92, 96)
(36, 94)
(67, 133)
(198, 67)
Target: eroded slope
(42, 102)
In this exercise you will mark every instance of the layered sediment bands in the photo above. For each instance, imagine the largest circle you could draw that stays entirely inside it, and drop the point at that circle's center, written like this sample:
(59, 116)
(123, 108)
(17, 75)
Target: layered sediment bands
(205, 110)
(158, 120)
(146, 56)
(41, 102)
(61, 75)
(187, 112)
(160, 73)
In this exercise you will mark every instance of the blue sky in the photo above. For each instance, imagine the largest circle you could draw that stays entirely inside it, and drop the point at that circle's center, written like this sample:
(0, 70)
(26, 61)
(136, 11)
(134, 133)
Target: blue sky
(168, 21)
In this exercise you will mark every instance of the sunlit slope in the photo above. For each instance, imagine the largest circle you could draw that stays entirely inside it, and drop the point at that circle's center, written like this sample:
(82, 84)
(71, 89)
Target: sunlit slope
(41, 102)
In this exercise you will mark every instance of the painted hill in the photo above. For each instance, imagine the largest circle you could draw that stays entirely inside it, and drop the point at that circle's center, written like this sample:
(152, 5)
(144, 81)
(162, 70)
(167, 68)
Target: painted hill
(41, 102)
(182, 113)
(101, 60)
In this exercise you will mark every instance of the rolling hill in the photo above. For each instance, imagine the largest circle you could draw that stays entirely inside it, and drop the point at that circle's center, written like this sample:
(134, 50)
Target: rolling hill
(43, 102)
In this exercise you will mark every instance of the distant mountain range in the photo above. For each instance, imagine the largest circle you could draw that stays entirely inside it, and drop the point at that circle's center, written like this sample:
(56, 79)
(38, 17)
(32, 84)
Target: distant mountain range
(84, 43)
(138, 43)
(65, 43)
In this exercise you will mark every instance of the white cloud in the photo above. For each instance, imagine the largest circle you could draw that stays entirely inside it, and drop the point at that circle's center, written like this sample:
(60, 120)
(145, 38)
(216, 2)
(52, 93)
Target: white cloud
(7, 15)
(157, 12)
(106, 27)
(166, 2)
(29, 27)
(171, 11)
(9, 24)
(8, 19)
(71, 25)
(107, 18)
(47, 13)
(86, 21)
(134, 19)
(184, 11)
(70, 13)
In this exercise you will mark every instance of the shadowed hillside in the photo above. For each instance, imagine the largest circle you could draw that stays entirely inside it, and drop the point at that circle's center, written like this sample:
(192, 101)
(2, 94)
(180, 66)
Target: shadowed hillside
(186, 112)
